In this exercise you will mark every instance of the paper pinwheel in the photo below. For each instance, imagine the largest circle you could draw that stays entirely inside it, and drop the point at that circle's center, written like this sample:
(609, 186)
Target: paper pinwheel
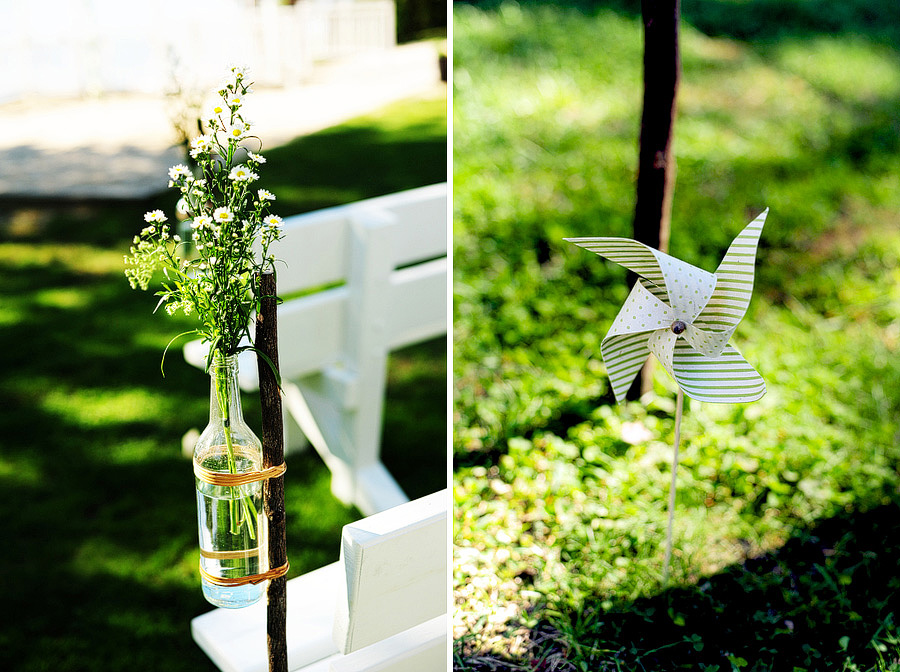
(685, 316)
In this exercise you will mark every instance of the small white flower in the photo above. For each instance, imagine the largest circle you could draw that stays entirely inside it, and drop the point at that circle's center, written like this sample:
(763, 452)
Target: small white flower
(239, 71)
(155, 216)
(234, 101)
(237, 131)
(178, 171)
(273, 221)
(201, 221)
(242, 174)
(212, 261)
(265, 195)
(176, 238)
(218, 109)
(201, 143)
(259, 158)
(222, 215)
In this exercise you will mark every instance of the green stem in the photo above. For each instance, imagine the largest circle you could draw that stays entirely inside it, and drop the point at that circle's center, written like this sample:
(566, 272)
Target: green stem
(246, 504)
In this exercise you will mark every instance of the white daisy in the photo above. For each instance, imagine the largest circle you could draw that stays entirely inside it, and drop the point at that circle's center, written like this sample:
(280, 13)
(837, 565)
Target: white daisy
(242, 174)
(201, 143)
(178, 171)
(222, 215)
(237, 131)
(273, 221)
(259, 158)
(265, 195)
(155, 216)
(201, 222)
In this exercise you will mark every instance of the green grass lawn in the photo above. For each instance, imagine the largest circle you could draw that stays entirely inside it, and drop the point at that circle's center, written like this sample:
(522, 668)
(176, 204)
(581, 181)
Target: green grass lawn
(100, 544)
(787, 528)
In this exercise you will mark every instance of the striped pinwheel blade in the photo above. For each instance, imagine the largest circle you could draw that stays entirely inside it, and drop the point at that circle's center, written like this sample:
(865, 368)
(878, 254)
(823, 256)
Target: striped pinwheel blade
(734, 287)
(725, 379)
(624, 355)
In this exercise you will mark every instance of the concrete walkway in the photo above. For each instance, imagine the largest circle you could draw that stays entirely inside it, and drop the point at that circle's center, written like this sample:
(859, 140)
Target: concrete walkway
(120, 146)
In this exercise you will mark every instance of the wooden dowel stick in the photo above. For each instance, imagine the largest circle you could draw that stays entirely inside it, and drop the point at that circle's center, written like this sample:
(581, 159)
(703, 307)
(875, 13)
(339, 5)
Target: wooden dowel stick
(679, 405)
(273, 455)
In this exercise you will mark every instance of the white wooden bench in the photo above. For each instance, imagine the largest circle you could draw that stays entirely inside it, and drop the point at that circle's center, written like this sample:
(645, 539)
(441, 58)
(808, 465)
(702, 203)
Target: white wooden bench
(383, 607)
(360, 280)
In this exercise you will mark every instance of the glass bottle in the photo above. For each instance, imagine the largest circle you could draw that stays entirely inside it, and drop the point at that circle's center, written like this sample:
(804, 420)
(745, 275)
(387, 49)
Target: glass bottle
(231, 520)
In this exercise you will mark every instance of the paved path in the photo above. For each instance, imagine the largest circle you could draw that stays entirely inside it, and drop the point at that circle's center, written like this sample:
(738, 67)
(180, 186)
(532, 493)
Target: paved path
(121, 146)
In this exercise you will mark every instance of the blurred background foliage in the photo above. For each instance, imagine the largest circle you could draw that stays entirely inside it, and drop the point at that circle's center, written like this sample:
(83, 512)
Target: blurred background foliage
(420, 19)
(560, 494)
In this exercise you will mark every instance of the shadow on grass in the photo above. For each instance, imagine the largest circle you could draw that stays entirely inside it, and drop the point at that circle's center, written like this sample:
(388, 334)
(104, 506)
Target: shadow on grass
(414, 434)
(829, 597)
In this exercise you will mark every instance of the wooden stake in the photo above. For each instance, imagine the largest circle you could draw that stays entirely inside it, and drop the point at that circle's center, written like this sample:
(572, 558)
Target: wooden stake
(273, 455)
(679, 405)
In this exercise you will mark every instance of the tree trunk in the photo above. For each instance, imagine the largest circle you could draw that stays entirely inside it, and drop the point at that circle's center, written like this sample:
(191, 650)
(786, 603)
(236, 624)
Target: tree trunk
(656, 164)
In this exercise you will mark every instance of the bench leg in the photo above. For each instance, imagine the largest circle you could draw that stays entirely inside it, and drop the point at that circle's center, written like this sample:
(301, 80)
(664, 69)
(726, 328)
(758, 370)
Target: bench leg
(370, 488)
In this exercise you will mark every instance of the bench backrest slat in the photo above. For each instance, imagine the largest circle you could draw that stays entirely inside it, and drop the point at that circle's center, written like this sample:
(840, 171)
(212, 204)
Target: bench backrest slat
(395, 563)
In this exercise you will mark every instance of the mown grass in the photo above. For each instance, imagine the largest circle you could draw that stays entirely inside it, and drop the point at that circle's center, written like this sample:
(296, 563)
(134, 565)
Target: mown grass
(561, 495)
(99, 543)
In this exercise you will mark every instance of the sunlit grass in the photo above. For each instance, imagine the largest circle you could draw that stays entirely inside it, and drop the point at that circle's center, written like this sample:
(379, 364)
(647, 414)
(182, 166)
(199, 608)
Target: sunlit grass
(851, 69)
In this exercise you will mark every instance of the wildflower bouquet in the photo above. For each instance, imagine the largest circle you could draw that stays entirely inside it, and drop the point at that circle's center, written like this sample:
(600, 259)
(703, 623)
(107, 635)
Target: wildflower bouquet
(226, 218)
(212, 275)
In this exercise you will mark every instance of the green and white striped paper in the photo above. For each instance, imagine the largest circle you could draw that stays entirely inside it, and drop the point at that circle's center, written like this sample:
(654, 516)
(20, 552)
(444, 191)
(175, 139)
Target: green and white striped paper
(710, 305)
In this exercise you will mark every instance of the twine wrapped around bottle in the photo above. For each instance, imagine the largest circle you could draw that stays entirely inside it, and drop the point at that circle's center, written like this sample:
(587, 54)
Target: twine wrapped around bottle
(232, 480)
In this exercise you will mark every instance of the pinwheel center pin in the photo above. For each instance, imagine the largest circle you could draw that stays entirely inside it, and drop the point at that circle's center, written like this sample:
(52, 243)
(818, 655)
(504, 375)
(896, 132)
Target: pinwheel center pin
(678, 327)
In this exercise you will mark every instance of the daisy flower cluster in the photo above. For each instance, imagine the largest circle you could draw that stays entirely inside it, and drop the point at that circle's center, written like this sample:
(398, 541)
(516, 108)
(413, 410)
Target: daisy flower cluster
(230, 226)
